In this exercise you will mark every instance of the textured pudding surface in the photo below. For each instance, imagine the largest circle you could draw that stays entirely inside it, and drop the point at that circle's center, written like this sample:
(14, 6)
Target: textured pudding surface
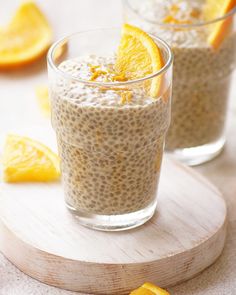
(111, 150)
(202, 74)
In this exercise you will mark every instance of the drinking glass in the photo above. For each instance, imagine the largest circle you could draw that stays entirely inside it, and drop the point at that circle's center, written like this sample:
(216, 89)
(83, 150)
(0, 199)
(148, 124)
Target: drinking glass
(201, 79)
(110, 152)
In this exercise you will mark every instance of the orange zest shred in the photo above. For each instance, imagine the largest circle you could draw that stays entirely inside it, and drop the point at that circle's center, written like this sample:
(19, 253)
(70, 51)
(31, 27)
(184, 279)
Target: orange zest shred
(126, 97)
(196, 13)
(174, 8)
(97, 74)
(119, 78)
(108, 76)
(111, 76)
(170, 19)
(93, 68)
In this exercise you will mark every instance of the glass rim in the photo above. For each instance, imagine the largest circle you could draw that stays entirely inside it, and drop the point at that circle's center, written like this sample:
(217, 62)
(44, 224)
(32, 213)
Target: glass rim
(63, 40)
(182, 26)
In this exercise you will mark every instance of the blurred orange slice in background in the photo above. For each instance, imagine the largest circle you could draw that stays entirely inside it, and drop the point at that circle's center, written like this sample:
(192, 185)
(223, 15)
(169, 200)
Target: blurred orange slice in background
(43, 99)
(216, 9)
(26, 38)
(25, 159)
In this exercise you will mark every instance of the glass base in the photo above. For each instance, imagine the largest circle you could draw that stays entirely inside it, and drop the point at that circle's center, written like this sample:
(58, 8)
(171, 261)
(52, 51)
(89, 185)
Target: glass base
(199, 155)
(114, 222)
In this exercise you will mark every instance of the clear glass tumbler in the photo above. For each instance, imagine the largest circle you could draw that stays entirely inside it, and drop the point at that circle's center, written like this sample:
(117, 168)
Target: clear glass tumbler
(110, 151)
(201, 78)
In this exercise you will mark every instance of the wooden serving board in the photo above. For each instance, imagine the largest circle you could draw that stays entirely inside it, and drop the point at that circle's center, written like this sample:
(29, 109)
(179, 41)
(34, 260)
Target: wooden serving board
(45, 241)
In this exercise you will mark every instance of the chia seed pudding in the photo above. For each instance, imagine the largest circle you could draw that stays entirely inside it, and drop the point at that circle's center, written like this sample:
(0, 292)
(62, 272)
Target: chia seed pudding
(202, 74)
(110, 139)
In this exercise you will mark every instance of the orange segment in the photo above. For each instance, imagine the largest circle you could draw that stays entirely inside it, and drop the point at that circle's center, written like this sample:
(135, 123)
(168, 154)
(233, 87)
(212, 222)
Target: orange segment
(43, 99)
(149, 289)
(25, 159)
(26, 38)
(215, 9)
(142, 291)
(139, 56)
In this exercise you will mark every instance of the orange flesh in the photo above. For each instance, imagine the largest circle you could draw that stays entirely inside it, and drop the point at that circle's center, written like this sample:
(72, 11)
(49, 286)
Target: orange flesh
(26, 38)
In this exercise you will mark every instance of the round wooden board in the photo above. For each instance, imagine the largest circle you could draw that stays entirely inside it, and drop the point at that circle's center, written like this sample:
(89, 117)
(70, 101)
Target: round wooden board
(186, 235)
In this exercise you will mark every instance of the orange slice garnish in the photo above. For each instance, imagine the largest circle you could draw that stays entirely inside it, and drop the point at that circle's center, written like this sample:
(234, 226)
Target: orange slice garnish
(25, 159)
(138, 56)
(149, 289)
(26, 38)
(215, 9)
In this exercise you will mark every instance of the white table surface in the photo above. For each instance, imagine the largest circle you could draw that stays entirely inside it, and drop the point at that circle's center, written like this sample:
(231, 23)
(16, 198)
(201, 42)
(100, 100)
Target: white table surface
(18, 107)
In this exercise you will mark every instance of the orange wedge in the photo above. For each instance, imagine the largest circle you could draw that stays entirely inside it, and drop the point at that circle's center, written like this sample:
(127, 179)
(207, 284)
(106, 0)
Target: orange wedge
(216, 9)
(26, 38)
(138, 56)
(43, 99)
(25, 159)
(149, 289)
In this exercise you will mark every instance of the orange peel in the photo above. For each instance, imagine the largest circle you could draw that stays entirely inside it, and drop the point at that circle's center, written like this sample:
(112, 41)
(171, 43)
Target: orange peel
(139, 56)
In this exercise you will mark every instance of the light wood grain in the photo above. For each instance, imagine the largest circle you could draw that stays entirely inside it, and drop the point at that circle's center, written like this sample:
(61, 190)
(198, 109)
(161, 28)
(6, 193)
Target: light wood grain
(185, 236)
